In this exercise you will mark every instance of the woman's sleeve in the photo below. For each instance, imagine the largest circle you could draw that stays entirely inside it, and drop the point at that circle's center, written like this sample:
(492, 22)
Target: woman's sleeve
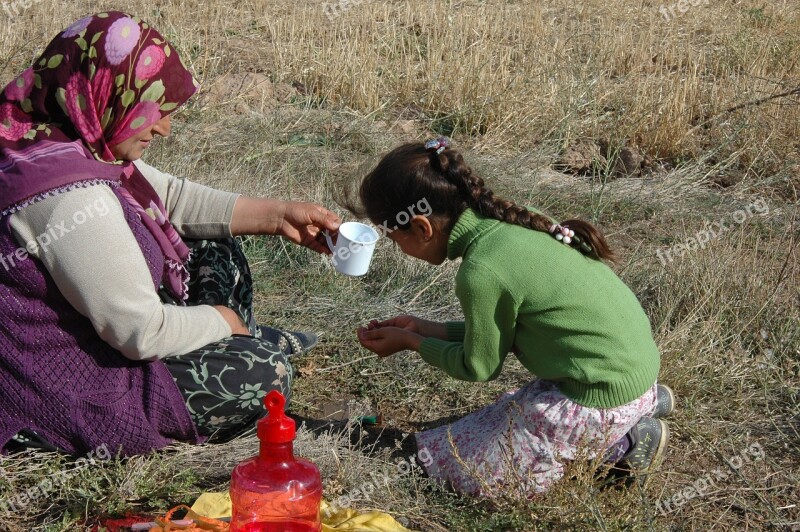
(196, 211)
(490, 313)
(97, 264)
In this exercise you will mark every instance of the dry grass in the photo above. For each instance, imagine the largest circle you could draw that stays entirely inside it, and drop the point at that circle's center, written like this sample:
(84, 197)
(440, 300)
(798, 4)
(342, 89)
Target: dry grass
(515, 73)
(515, 83)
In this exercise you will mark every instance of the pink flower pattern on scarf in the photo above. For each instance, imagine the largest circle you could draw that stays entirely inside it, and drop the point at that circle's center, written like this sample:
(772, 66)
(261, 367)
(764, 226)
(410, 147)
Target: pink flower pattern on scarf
(122, 37)
(77, 27)
(14, 124)
(19, 89)
(102, 87)
(80, 109)
(150, 62)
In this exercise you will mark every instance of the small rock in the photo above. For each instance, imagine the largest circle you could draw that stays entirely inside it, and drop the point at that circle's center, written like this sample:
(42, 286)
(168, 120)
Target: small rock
(581, 158)
(407, 126)
(300, 88)
(240, 90)
(723, 180)
(284, 92)
(629, 162)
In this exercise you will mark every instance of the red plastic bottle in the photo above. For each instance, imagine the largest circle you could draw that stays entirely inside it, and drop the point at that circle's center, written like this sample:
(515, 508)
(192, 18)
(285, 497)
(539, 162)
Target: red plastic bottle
(274, 491)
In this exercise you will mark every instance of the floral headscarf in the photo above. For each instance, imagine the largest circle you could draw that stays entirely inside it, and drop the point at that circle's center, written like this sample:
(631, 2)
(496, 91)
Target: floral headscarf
(99, 82)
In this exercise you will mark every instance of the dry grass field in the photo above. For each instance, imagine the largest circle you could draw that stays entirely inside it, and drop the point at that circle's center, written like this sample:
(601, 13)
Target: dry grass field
(661, 123)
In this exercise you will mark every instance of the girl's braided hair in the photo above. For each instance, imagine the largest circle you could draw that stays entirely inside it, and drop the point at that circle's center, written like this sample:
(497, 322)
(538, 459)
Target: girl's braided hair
(413, 172)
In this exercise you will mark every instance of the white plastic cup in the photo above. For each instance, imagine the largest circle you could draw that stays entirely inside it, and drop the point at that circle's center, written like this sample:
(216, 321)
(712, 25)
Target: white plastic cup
(352, 252)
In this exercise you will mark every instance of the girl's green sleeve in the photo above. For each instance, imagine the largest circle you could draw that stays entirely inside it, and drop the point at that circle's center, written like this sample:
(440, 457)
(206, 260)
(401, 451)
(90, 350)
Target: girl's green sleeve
(490, 313)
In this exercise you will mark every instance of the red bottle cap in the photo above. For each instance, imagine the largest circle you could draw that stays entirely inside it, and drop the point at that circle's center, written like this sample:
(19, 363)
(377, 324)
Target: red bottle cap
(276, 426)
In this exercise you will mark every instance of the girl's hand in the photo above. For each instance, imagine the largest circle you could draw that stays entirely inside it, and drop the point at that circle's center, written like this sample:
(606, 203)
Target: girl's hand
(425, 328)
(406, 322)
(386, 341)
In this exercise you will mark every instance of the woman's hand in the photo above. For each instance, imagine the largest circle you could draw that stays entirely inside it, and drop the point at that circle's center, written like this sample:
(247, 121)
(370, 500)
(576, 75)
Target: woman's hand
(234, 321)
(301, 223)
(386, 341)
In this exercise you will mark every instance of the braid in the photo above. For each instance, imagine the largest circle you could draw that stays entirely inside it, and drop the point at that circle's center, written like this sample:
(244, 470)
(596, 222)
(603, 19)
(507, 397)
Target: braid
(436, 176)
(481, 198)
(588, 239)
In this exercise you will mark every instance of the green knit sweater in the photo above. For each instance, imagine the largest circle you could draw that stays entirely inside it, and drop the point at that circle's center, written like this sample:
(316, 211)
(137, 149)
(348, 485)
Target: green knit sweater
(568, 317)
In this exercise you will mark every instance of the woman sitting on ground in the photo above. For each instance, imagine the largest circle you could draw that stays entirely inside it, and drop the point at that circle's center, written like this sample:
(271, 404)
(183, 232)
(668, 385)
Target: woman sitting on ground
(126, 317)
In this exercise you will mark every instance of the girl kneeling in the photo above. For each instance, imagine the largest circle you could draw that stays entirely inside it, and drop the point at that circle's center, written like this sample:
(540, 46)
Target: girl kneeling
(528, 286)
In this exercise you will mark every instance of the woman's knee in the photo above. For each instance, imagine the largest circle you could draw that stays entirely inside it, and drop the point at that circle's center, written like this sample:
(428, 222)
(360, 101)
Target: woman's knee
(264, 363)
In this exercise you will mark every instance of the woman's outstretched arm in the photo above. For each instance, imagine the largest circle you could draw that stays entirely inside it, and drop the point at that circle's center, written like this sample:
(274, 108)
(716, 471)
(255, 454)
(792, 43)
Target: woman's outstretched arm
(301, 223)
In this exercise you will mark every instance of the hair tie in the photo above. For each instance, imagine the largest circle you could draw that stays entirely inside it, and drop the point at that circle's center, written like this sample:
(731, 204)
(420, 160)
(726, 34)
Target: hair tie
(439, 144)
(567, 236)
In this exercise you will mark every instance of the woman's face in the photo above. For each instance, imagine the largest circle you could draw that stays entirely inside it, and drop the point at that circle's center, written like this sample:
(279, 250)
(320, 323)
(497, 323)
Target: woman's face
(133, 148)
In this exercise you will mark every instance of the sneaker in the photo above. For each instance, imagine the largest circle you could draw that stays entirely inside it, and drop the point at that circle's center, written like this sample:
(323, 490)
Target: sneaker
(290, 342)
(665, 401)
(650, 437)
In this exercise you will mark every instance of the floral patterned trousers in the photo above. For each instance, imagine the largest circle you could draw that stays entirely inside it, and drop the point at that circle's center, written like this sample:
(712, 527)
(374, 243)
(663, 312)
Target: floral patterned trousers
(523, 440)
(224, 383)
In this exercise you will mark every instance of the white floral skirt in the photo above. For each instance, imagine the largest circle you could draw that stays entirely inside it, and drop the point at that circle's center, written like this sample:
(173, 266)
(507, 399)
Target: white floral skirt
(525, 438)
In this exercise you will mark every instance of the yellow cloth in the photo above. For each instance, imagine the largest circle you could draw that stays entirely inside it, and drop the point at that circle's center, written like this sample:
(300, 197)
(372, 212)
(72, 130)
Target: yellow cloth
(213, 505)
(219, 505)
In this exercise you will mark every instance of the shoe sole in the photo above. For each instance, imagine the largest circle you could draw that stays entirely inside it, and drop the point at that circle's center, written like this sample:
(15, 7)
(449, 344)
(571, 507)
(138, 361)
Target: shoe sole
(629, 477)
(658, 457)
(642, 477)
(671, 395)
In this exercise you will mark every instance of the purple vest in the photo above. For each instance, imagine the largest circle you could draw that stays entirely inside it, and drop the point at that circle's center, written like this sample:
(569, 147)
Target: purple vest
(59, 379)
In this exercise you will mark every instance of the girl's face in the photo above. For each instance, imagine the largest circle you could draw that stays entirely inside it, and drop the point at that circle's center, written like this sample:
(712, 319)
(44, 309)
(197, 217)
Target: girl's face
(422, 240)
(133, 148)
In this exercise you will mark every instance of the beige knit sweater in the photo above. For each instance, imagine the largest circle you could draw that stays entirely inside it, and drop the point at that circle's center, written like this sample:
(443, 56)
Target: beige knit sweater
(115, 291)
